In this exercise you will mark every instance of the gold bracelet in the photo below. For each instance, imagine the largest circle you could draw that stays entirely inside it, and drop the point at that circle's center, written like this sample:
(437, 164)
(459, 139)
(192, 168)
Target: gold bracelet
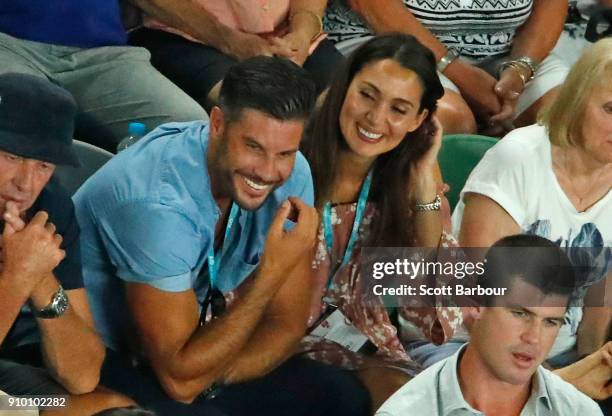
(518, 67)
(318, 19)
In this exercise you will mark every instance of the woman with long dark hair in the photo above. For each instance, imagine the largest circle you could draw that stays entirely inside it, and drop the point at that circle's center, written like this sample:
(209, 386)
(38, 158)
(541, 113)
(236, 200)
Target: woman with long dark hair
(373, 152)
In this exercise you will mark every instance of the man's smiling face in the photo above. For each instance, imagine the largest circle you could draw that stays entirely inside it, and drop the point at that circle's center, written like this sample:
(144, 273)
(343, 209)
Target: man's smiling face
(253, 155)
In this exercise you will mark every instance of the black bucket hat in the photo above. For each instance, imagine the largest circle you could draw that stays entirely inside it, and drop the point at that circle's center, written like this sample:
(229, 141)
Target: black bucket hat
(36, 119)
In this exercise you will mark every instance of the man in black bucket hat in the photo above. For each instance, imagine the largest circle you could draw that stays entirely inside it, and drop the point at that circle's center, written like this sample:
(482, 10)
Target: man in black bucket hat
(48, 345)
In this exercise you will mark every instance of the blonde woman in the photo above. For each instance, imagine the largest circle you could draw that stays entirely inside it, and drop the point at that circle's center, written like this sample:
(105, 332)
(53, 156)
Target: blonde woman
(553, 179)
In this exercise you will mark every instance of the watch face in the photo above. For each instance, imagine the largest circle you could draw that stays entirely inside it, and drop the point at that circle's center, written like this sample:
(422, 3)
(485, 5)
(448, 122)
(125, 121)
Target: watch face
(62, 304)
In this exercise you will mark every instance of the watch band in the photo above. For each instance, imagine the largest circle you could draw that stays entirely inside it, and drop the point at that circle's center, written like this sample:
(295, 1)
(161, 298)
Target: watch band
(56, 308)
(432, 206)
(447, 59)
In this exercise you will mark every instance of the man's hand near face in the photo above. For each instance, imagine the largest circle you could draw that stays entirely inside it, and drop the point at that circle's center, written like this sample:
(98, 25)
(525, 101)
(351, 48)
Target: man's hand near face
(29, 253)
(284, 249)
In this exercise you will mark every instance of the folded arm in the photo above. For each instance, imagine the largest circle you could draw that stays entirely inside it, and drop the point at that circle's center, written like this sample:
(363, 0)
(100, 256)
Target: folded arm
(71, 348)
(12, 297)
(282, 326)
(188, 358)
(192, 19)
(596, 324)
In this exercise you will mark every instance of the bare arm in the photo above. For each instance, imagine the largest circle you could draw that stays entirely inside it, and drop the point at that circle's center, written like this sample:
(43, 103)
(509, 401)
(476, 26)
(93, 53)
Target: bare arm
(595, 327)
(283, 325)
(188, 17)
(72, 349)
(393, 16)
(304, 25)
(534, 39)
(12, 297)
(540, 33)
(425, 176)
(475, 84)
(188, 358)
(28, 253)
(484, 222)
(591, 375)
(75, 365)
(302, 21)
(194, 20)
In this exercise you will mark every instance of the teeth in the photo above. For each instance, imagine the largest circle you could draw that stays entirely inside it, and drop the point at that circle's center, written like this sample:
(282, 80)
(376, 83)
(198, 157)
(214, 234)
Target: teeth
(368, 134)
(255, 185)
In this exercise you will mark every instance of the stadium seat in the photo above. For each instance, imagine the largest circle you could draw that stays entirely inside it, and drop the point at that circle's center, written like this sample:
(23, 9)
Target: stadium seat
(91, 158)
(458, 156)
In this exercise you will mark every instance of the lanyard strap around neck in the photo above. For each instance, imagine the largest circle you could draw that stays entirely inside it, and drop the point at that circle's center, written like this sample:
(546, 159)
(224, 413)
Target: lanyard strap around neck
(213, 259)
(359, 212)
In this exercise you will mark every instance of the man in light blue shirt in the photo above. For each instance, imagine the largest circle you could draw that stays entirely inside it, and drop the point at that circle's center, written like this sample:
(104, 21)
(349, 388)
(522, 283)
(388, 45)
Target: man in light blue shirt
(190, 212)
(499, 371)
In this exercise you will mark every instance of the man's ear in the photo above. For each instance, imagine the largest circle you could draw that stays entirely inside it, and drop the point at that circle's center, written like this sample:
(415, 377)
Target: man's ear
(217, 122)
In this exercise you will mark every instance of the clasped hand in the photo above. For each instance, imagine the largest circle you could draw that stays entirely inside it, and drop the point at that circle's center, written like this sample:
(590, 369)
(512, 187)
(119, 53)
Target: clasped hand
(29, 251)
(284, 249)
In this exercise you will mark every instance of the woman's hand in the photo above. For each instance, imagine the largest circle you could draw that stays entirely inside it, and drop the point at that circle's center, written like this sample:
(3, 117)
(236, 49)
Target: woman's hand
(477, 87)
(297, 45)
(508, 89)
(592, 374)
(423, 185)
(247, 45)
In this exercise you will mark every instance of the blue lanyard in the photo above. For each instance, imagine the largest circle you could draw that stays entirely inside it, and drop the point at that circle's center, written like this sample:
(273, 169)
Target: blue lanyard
(212, 259)
(359, 212)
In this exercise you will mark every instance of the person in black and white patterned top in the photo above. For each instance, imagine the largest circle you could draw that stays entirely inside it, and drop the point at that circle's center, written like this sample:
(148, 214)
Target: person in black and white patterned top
(515, 36)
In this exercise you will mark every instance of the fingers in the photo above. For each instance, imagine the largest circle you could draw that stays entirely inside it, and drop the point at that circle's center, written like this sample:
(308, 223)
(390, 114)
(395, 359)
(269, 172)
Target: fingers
(8, 230)
(606, 351)
(438, 132)
(50, 227)
(280, 47)
(493, 130)
(307, 216)
(276, 228)
(506, 115)
(11, 216)
(57, 239)
(15, 224)
(40, 218)
(61, 255)
(11, 208)
(428, 164)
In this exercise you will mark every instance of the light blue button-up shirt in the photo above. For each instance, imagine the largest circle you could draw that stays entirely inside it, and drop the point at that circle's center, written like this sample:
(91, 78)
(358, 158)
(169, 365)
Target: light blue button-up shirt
(148, 216)
(436, 392)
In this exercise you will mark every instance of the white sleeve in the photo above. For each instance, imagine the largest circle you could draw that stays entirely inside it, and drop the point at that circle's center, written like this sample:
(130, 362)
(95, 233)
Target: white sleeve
(503, 175)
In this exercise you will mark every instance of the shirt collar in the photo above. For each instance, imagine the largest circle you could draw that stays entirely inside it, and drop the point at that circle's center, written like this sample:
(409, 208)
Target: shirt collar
(451, 397)
(539, 390)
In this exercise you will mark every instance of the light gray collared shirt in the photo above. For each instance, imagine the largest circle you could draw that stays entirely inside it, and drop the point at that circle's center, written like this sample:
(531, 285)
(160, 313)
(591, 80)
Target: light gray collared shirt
(436, 391)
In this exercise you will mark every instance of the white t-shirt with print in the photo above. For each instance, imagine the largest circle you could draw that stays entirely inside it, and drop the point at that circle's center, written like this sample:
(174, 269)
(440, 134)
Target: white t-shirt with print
(517, 173)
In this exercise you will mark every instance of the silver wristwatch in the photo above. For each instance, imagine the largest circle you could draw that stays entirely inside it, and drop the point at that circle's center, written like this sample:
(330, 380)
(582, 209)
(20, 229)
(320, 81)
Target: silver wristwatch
(432, 206)
(56, 308)
(447, 59)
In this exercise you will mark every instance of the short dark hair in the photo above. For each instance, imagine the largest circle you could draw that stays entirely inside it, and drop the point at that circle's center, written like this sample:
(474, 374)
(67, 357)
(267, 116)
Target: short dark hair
(534, 259)
(275, 86)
